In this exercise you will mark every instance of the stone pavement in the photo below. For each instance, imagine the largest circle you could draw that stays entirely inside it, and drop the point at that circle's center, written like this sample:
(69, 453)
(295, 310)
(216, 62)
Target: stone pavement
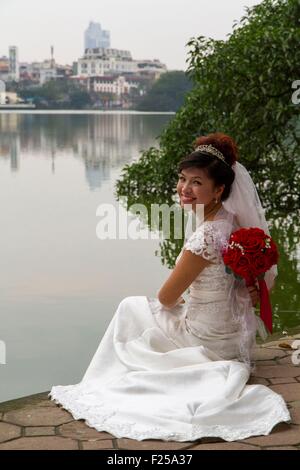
(36, 422)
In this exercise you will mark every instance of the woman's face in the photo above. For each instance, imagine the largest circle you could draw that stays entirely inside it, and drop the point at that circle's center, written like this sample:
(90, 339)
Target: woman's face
(194, 187)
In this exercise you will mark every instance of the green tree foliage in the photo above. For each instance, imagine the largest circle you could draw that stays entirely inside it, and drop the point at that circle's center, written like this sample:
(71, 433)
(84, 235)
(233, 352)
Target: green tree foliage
(79, 99)
(241, 86)
(167, 93)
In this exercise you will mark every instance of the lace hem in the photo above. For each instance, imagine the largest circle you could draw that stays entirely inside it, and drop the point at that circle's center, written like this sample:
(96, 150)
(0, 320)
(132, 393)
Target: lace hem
(101, 417)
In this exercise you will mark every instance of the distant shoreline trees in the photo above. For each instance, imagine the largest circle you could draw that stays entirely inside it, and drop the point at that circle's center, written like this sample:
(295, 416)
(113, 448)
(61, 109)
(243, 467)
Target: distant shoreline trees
(165, 94)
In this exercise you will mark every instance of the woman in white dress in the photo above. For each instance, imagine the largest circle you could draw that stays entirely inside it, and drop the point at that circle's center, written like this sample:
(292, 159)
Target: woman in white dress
(175, 367)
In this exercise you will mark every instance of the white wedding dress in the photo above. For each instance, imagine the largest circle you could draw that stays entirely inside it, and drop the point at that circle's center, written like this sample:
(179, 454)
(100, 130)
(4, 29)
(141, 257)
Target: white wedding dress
(178, 374)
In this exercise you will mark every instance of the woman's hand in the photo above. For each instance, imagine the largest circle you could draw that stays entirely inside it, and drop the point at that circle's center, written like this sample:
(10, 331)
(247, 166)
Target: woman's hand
(254, 294)
(179, 301)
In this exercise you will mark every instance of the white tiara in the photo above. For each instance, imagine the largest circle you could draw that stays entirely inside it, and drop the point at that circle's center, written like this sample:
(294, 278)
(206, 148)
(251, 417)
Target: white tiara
(212, 151)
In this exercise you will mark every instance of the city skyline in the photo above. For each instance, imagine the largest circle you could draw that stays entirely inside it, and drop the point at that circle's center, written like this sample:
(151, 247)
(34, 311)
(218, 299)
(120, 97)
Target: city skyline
(34, 26)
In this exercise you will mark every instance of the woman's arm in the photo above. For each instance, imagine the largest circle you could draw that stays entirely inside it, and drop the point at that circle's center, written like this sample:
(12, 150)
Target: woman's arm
(189, 266)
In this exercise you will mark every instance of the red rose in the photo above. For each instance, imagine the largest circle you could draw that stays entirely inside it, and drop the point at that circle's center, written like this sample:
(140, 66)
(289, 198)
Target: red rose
(260, 263)
(243, 266)
(231, 257)
(253, 240)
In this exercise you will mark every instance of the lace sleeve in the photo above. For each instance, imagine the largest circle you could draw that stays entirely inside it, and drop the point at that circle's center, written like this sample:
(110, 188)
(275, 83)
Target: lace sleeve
(206, 241)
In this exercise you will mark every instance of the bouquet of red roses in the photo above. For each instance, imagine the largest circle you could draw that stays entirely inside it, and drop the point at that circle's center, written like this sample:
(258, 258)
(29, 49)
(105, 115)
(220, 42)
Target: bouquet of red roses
(250, 252)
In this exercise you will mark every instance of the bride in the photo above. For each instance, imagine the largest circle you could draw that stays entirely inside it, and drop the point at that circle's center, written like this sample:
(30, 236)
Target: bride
(175, 367)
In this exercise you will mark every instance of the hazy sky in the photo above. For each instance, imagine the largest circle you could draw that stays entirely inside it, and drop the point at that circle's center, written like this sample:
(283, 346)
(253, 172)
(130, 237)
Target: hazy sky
(148, 28)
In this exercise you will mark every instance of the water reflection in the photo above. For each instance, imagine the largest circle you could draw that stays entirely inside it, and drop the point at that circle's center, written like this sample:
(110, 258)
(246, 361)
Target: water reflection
(102, 142)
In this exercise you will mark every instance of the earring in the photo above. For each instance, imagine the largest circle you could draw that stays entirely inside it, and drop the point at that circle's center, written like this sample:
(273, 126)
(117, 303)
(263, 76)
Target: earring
(216, 201)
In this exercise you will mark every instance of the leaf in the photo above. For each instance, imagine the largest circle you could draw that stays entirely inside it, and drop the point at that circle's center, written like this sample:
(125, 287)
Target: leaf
(228, 270)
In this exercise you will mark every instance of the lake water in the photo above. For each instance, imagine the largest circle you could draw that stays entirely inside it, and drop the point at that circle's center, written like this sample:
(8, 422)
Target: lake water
(59, 284)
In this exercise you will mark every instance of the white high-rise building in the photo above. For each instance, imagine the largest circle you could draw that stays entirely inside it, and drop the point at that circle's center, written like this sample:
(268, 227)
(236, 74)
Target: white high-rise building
(95, 37)
(100, 62)
(13, 63)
